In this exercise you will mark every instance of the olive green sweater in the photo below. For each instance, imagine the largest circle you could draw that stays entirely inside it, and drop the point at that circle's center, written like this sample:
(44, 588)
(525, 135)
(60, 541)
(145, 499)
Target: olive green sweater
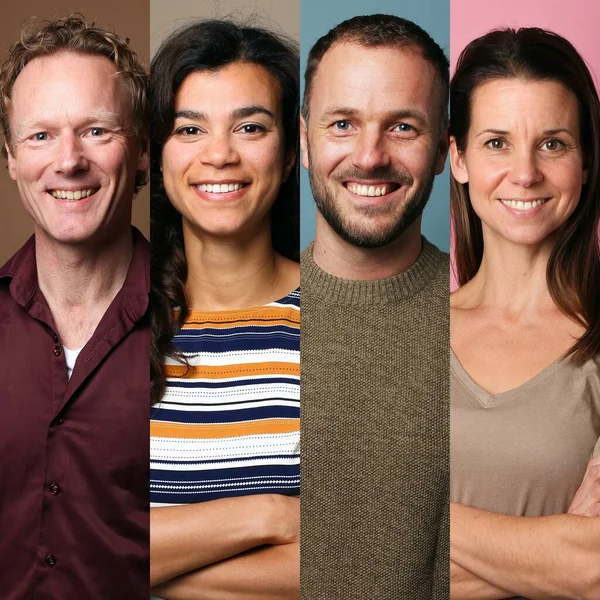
(375, 421)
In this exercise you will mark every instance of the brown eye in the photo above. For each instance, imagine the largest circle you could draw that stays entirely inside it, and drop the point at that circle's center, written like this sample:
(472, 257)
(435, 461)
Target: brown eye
(495, 144)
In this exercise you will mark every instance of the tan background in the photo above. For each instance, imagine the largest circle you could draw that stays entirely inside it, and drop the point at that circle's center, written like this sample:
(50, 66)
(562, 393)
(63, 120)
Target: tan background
(128, 18)
(277, 15)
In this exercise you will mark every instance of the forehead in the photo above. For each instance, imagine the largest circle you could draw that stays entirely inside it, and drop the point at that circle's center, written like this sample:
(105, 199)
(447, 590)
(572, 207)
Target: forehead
(375, 79)
(238, 84)
(67, 85)
(518, 103)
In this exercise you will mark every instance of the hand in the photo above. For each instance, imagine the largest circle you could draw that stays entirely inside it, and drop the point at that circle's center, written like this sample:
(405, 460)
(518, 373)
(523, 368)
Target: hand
(586, 502)
(283, 513)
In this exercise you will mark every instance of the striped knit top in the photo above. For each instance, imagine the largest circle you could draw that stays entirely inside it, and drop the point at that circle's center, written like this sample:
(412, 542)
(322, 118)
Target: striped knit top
(229, 424)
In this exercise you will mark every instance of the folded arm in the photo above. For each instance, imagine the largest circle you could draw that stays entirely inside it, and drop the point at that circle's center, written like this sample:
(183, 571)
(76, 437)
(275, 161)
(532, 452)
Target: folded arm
(268, 573)
(186, 538)
(465, 585)
(537, 557)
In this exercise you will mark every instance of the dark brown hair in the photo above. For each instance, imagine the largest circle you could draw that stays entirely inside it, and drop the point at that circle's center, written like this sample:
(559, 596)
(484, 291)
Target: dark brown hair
(378, 31)
(573, 271)
(73, 34)
(209, 46)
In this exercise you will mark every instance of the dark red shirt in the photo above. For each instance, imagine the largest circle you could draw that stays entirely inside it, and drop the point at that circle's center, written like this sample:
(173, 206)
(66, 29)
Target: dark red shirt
(74, 454)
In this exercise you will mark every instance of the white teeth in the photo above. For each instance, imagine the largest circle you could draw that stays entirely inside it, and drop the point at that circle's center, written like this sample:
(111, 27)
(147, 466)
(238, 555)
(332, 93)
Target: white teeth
(219, 188)
(520, 205)
(72, 195)
(369, 190)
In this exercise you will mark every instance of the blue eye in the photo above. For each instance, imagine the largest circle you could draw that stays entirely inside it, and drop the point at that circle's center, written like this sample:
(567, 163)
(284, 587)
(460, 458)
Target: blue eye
(405, 127)
(40, 137)
(342, 125)
(96, 132)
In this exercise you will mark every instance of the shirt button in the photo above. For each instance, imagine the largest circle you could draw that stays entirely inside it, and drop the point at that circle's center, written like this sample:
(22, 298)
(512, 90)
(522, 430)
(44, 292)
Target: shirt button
(57, 350)
(60, 420)
(55, 338)
(54, 489)
(50, 560)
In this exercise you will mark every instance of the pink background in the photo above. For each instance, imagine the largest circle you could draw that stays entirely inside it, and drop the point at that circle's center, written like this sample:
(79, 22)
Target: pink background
(576, 20)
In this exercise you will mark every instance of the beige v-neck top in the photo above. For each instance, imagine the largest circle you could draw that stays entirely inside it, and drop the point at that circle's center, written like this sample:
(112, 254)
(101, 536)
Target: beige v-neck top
(524, 452)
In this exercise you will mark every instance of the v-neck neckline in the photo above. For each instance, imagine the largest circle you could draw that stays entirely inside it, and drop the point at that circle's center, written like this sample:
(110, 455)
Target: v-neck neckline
(490, 400)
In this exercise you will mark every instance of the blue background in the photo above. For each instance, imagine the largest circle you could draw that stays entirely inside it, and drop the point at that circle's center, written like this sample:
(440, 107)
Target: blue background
(317, 17)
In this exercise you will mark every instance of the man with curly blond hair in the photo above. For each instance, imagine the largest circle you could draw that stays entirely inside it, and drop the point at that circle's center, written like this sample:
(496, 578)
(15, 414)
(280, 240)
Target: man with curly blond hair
(74, 338)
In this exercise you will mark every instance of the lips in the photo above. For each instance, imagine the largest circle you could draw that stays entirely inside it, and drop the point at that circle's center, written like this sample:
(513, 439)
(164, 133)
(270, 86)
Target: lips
(524, 204)
(220, 188)
(73, 194)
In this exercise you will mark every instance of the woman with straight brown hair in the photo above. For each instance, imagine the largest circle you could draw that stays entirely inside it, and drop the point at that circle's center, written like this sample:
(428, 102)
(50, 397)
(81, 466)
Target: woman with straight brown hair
(525, 323)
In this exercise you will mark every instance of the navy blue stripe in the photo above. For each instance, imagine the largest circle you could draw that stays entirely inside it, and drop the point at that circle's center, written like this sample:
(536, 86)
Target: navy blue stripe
(232, 416)
(237, 472)
(164, 402)
(194, 498)
(231, 384)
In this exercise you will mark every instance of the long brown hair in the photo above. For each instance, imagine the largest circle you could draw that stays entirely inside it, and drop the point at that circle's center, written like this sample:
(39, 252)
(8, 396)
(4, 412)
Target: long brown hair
(208, 46)
(573, 271)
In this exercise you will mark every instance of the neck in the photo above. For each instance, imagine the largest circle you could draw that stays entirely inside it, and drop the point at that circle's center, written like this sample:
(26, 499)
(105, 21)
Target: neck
(342, 259)
(226, 274)
(512, 277)
(83, 275)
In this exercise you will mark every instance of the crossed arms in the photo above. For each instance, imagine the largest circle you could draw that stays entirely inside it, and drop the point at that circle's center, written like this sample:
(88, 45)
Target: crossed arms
(496, 556)
(228, 549)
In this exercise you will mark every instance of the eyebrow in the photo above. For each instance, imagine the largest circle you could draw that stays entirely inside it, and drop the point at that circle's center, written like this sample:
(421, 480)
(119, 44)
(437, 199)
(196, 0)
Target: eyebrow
(547, 132)
(238, 113)
(397, 115)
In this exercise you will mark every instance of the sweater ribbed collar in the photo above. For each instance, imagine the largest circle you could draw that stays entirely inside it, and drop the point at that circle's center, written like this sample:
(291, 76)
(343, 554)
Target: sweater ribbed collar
(315, 281)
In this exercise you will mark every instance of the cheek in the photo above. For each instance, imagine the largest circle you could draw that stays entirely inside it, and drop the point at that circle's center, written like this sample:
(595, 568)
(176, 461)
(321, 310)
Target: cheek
(266, 160)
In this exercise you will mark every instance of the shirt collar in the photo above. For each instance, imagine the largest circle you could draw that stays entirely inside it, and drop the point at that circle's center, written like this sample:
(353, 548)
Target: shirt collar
(21, 269)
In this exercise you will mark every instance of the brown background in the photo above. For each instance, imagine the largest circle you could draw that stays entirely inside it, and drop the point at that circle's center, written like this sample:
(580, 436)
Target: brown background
(128, 18)
(277, 15)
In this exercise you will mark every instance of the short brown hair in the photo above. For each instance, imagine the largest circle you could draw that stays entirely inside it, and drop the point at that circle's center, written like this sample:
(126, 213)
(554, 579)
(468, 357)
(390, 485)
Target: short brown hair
(73, 34)
(377, 31)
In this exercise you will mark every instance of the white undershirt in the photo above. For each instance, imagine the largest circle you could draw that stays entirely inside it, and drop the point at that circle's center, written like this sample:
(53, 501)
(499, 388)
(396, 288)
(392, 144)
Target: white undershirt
(71, 358)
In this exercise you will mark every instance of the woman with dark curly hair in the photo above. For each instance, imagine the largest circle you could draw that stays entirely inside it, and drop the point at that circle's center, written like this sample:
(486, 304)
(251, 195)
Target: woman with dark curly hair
(225, 314)
(525, 323)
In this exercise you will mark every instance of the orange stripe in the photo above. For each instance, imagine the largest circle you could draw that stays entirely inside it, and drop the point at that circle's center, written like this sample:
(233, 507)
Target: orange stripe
(216, 323)
(235, 370)
(206, 431)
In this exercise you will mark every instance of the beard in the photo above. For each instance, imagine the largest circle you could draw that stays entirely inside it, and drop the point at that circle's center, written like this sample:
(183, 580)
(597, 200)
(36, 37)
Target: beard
(398, 220)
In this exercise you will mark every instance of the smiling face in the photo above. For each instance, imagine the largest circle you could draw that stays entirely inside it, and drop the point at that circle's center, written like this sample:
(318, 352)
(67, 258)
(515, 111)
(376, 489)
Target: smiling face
(225, 159)
(523, 161)
(73, 154)
(373, 141)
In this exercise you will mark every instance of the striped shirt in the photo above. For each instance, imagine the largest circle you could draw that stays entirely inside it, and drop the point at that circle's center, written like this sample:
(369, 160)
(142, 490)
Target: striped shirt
(229, 424)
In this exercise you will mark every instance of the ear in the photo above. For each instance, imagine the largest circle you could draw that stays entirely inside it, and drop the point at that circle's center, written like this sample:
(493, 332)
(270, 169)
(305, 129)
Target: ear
(144, 156)
(457, 163)
(12, 169)
(304, 142)
(442, 151)
(290, 161)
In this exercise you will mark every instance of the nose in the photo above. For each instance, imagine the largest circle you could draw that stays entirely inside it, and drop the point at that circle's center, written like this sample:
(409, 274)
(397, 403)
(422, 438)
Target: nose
(370, 151)
(524, 168)
(70, 155)
(219, 151)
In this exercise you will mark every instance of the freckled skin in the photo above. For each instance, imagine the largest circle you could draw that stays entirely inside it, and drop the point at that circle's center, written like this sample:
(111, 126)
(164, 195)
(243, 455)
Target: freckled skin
(73, 131)
(375, 115)
(537, 155)
(221, 146)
